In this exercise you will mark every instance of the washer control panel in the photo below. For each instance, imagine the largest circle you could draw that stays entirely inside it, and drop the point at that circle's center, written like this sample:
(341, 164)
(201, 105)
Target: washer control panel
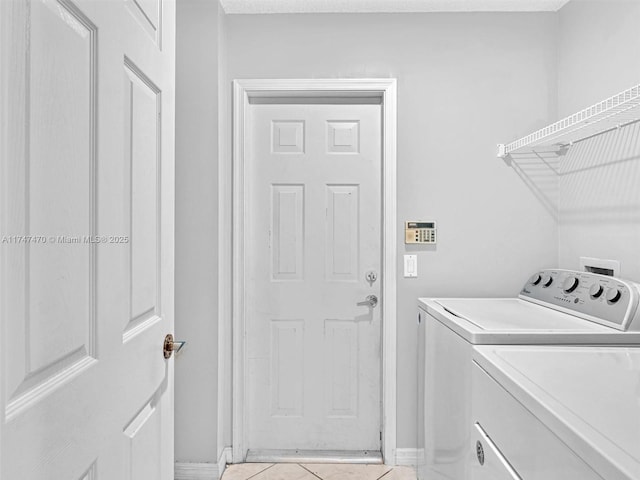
(606, 300)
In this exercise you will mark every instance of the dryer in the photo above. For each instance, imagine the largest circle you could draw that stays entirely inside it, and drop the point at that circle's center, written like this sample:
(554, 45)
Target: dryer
(554, 307)
(555, 413)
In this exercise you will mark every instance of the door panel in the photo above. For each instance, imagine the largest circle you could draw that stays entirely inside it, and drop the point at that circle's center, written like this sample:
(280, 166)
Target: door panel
(314, 216)
(86, 206)
(287, 230)
(52, 169)
(148, 14)
(342, 245)
(341, 358)
(143, 442)
(142, 135)
(287, 367)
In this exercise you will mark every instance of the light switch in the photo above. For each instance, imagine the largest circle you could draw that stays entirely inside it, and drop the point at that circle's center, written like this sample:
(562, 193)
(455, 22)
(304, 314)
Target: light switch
(410, 266)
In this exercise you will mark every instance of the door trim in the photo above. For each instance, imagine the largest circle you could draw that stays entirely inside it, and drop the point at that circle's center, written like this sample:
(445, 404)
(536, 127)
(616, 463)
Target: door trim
(385, 89)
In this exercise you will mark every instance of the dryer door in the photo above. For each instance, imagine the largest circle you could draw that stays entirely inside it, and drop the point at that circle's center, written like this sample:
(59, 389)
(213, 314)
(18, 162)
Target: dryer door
(488, 463)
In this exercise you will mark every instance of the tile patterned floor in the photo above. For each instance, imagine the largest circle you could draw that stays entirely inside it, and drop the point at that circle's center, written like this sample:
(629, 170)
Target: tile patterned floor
(316, 471)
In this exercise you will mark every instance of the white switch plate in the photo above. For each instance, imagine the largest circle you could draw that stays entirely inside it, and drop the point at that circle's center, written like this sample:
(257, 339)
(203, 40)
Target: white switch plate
(410, 266)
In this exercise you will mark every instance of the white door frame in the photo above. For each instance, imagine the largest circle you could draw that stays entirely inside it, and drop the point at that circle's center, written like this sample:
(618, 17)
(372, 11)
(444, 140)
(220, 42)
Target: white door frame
(385, 90)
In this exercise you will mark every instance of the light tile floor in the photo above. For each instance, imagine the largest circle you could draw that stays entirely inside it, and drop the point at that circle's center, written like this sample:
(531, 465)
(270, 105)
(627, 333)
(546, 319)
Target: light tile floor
(316, 471)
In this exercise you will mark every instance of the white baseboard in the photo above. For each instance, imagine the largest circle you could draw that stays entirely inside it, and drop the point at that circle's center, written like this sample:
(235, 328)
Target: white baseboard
(195, 471)
(407, 457)
(202, 471)
(225, 457)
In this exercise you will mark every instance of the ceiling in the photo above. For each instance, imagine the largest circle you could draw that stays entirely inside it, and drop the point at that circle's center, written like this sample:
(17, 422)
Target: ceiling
(388, 6)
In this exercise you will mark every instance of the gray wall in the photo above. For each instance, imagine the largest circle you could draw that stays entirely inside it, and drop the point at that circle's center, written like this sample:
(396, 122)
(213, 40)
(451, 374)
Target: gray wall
(465, 83)
(196, 274)
(599, 204)
(225, 339)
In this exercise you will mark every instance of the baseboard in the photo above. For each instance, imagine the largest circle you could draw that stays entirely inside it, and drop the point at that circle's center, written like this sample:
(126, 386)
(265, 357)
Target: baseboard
(407, 457)
(225, 457)
(195, 471)
(202, 471)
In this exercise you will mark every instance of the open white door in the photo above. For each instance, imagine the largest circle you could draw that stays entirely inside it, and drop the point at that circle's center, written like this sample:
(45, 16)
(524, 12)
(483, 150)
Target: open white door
(86, 227)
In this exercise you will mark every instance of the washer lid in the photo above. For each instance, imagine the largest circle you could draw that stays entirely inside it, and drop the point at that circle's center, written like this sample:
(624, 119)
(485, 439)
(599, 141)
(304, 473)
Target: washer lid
(513, 314)
(588, 396)
(495, 321)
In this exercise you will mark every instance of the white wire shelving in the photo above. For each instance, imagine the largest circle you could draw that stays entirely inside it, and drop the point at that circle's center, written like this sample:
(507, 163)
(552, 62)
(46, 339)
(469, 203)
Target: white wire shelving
(614, 112)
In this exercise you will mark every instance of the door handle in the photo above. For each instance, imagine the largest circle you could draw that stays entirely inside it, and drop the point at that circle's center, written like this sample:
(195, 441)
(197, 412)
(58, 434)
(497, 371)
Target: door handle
(170, 345)
(370, 301)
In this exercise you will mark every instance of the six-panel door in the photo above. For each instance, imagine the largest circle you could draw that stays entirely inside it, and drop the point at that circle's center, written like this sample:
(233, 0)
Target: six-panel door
(313, 233)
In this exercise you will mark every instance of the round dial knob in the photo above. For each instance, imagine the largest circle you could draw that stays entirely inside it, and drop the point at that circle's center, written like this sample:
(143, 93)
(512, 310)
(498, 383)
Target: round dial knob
(596, 290)
(535, 280)
(613, 295)
(570, 284)
(547, 280)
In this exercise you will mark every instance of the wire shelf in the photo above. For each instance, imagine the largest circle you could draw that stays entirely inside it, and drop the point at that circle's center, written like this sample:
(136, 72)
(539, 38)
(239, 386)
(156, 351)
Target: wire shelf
(614, 112)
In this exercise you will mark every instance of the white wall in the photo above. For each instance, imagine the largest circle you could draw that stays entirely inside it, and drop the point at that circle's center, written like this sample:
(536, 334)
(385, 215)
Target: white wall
(599, 203)
(225, 339)
(196, 275)
(465, 83)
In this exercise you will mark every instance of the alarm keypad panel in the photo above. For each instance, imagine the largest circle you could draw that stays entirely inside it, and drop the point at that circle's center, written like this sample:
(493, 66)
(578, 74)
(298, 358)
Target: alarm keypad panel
(420, 232)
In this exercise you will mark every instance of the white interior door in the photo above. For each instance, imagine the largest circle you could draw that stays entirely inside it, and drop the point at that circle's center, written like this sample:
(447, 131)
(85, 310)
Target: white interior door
(87, 239)
(313, 354)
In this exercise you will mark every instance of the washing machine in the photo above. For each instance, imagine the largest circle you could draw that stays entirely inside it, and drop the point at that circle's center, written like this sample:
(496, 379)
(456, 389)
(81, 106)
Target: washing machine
(554, 307)
(555, 413)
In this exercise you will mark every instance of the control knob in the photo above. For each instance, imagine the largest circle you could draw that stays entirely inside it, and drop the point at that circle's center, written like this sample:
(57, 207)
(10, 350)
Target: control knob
(570, 284)
(613, 295)
(547, 280)
(535, 280)
(596, 290)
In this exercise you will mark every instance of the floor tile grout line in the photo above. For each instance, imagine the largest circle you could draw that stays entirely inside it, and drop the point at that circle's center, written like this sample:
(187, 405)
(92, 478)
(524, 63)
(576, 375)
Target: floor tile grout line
(300, 465)
(263, 470)
(385, 473)
(258, 474)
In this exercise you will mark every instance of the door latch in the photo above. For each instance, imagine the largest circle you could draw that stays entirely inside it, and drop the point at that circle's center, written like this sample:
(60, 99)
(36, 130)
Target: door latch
(170, 345)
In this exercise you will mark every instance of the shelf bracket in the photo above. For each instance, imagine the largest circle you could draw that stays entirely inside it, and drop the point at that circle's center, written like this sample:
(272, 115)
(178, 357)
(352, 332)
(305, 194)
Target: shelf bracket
(560, 151)
(502, 153)
(502, 150)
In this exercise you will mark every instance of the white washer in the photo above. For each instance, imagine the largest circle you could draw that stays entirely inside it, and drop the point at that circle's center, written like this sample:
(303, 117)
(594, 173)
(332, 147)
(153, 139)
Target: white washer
(555, 307)
(555, 413)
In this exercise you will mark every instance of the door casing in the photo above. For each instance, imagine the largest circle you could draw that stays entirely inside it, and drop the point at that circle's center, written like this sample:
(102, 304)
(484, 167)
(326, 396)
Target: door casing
(243, 92)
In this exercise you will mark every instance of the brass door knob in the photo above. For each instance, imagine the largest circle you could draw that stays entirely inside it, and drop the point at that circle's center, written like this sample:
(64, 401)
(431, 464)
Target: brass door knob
(170, 345)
